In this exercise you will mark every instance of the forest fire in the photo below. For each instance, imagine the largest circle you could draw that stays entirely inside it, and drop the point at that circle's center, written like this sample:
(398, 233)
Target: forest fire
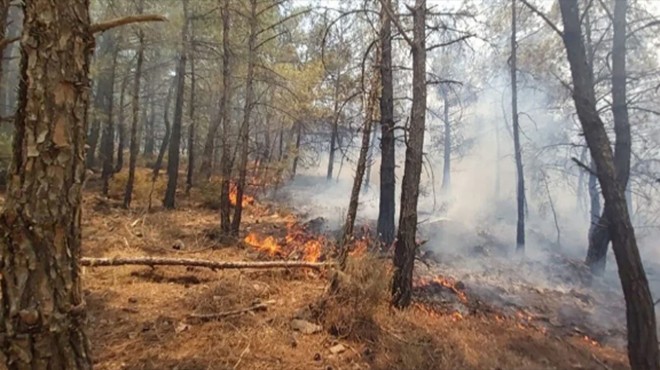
(360, 247)
(233, 197)
(447, 282)
(268, 245)
(312, 250)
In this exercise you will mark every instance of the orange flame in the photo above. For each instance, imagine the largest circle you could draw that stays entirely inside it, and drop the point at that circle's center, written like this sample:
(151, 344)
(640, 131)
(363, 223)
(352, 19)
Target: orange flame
(268, 245)
(233, 197)
(312, 250)
(360, 247)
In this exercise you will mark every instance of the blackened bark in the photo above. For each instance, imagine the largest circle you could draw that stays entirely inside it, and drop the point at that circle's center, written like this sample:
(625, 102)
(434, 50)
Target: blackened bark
(108, 137)
(245, 127)
(446, 168)
(135, 141)
(406, 244)
(334, 129)
(520, 175)
(41, 299)
(121, 130)
(296, 158)
(600, 238)
(643, 352)
(191, 128)
(225, 110)
(4, 17)
(386, 207)
(175, 139)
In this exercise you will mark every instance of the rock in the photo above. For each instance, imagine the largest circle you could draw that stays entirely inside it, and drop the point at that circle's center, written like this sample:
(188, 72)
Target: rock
(337, 349)
(305, 326)
(178, 245)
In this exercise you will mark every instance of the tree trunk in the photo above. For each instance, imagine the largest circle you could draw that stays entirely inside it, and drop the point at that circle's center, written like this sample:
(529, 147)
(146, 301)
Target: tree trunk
(166, 137)
(191, 128)
(520, 176)
(4, 17)
(296, 158)
(386, 208)
(406, 244)
(370, 160)
(334, 130)
(175, 140)
(370, 116)
(41, 301)
(122, 127)
(135, 141)
(245, 127)
(225, 110)
(108, 137)
(600, 238)
(640, 316)
(149, 139)
(446, 168)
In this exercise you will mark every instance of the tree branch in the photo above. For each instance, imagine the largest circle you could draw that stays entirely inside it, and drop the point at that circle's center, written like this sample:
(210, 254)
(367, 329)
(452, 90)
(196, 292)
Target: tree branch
(462, 38)
(398, 25)
(544, 17)
(118, 22)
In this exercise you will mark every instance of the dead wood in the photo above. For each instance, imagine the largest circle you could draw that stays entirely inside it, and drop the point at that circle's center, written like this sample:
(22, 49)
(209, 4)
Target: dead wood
(213, 265)
(113, 23)
(262, 306)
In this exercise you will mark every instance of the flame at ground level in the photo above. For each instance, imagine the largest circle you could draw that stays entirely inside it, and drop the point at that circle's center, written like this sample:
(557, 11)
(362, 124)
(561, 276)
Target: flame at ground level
(268, 245)
(233, 197)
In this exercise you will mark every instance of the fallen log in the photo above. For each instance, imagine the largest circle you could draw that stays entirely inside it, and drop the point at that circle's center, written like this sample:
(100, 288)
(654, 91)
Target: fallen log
(191, 262)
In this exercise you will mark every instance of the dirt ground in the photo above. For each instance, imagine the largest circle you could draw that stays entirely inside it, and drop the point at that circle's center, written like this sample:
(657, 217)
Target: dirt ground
(140, 317)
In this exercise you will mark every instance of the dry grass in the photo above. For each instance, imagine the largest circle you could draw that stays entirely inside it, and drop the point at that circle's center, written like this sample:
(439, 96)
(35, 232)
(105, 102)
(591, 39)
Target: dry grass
(139, 317)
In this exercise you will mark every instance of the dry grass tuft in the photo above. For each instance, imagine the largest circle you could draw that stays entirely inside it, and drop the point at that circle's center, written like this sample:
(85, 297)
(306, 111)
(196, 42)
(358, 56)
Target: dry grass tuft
(142, 186)
(349, 310)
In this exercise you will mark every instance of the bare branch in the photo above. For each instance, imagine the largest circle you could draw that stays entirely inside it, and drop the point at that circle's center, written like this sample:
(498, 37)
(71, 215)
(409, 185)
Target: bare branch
(213, 265)
(396, 22)
(544, 17)
(118, 22)
(462, 38)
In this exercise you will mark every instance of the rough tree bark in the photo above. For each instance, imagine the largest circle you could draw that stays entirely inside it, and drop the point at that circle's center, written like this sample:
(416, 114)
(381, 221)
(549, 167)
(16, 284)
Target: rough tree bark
(4, 18)
(643, 352)
(520, 175)
(41, 301)
(225, 112)
(406, 244)
(599, 238)
(108, 137)
(175, 139)
(245, 127)
(135, 141)
(386, 208)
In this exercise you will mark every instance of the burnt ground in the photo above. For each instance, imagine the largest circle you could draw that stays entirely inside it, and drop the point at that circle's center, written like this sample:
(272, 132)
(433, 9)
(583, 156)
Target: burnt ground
(139, 317)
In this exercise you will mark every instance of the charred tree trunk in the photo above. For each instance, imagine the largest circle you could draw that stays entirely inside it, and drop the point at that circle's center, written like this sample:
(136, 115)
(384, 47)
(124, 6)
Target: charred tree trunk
(175, 139)
(108, 137)
(166, 137)
(122, 127)
(225, 111)
(594, 201)
(387, 206)
(103, 90)
(245, 127)
(406, 244)
(446, 168)
(4, 18)
(600, 238)
(643, 350)
(370, 115)
(191, 128)
(334, 131)
(520, 176)
(41, 301)
(135, 141)
(296, 158)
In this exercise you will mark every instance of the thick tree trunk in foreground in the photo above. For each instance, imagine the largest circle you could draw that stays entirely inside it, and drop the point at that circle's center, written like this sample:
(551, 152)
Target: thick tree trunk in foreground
(245, 127)
(225, 110)
(406, 245)
(175, 139)
(386, 207)
(520, 175)
(135, 141)
(599, 239)
(41, 300)
(643, 350)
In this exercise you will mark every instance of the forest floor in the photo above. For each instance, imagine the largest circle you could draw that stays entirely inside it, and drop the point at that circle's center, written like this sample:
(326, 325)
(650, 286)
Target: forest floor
(140, 317)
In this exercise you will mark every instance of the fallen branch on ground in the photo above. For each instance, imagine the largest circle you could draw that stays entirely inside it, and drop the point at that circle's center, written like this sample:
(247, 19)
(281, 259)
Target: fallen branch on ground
(213, 265)
(218, 315)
